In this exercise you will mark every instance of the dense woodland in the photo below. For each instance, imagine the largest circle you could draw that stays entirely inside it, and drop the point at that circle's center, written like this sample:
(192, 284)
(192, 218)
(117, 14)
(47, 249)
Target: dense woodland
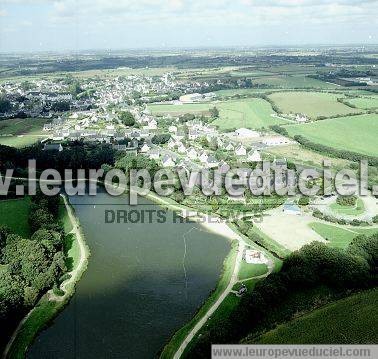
(76, 155)
(30, 266)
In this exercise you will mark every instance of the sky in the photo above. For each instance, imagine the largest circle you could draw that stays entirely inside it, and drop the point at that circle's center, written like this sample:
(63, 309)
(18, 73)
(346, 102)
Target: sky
(61, 25)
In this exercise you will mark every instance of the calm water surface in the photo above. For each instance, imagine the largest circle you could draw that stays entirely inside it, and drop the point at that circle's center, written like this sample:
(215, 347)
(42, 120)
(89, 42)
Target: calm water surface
(143, 282)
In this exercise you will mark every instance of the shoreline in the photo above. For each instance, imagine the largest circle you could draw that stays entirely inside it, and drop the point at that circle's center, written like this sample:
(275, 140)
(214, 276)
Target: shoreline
(210, 223)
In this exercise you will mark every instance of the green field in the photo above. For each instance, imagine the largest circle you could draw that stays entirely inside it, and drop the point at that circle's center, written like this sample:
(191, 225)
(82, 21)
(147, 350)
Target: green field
(336, 236)
(14, 213)
(242, 92)
(179, 109)
(364, 102)
(251, 270)
(340, 237)
(352, 320)
(292, 82)
(249, 73)
(349, 210)
(352, 133)
(21, 132)
(250, 113)
(312, 104)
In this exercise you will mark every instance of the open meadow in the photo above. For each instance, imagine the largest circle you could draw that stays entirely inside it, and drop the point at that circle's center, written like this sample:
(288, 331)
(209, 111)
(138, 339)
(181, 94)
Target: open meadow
(340, 237)
(248, 113)
(352, 133)
(292, 82)
(365, 102)
(14, 213)
(177, 110)
(251, 113)
(21, 132)
(312, 104)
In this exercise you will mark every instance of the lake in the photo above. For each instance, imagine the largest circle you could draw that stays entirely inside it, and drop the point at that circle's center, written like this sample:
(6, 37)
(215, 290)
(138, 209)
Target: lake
(144, 281)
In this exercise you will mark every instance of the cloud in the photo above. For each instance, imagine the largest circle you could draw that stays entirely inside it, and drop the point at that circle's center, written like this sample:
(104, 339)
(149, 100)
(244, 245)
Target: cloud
(195, 11)
(3, 13)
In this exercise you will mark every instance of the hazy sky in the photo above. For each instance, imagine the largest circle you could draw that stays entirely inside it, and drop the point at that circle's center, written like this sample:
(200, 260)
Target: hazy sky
(31, 25)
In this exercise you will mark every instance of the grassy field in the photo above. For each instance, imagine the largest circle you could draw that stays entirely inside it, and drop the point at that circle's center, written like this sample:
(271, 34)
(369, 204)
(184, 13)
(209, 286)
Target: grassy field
(336, 236)
(292, 82)
(249, 113)
(352, 133)
(298, 154)
(251, 270)
(21, 132)
(364, 102)
(312, 104)
(179, 109)
(352, 320)
(242, 92)
(249, 73)
(349, 210)
(14, 213)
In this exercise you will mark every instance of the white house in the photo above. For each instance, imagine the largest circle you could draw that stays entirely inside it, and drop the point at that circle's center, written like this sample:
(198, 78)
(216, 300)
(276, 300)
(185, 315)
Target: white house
(254, 156)
(246, 133)
(220, 142)
(168, 161)
(154, 154)
(172, 129)
(211, 162)
(193, 134)
(145, 148)
(171, 143)
(181, 148)
(152, 125)
(230, 147)
(240, 150)
(192, 153)
(203, 157)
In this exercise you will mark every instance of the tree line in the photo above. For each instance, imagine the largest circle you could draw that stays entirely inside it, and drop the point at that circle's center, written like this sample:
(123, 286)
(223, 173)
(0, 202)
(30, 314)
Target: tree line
(30, 266)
